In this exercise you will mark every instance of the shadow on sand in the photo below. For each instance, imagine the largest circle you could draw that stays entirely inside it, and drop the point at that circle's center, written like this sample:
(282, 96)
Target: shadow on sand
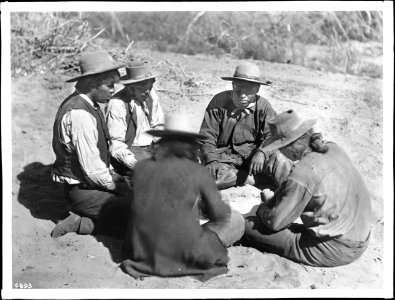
(47, 200)
(44, 198)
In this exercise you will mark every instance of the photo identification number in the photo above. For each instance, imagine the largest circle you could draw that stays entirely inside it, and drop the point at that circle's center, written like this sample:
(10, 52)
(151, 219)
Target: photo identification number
(20, 285)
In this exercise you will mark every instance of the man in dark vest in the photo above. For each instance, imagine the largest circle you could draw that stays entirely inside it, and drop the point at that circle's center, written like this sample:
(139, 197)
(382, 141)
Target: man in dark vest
(130, 113)
(97, 195)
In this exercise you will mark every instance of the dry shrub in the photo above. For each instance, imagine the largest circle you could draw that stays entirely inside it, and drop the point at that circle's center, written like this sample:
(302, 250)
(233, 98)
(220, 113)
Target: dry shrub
(272, 36)
(42, 42)
(51, 41)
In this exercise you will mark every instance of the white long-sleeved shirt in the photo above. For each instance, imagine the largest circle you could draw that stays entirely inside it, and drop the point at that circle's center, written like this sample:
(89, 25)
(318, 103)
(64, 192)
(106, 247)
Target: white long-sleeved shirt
(78, 132)
(117, 127)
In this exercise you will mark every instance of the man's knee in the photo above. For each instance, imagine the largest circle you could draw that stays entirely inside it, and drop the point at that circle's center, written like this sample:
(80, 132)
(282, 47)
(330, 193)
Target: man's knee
(230, 231)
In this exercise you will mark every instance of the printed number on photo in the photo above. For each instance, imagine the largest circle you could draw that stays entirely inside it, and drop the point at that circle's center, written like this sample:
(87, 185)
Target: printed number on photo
(23, 285)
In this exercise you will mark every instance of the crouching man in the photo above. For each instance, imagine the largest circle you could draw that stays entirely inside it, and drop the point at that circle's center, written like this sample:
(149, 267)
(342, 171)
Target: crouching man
(98, 197)
(235, 127)
(130, 113)
(324, 189)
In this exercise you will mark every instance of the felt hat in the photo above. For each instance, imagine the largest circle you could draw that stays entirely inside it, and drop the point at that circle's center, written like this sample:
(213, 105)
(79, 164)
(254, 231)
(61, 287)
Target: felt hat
(137, 71)
(247, 71)
(177, 125)
(97, 62)
(286, 128)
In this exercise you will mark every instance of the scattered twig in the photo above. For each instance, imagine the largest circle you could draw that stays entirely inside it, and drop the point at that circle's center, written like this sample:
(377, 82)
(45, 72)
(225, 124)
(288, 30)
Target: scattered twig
(182, 71)
(91, 39)
(198, 94)
(159, 63)
(182, 94)
(130, 45)
(165, 90)
(286, 100)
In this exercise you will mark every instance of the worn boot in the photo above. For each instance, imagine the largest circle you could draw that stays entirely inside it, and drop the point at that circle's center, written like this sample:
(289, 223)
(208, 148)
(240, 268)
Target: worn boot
(227, 179)
(86, 226)
(234, 177)
(70, 224)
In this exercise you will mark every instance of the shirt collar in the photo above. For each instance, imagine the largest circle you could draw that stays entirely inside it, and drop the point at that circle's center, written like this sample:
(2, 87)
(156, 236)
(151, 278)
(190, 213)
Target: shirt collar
(247, 110)
(86, 98)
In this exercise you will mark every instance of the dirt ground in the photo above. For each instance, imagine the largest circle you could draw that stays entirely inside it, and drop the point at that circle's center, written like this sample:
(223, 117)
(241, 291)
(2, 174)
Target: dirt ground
(349, 110)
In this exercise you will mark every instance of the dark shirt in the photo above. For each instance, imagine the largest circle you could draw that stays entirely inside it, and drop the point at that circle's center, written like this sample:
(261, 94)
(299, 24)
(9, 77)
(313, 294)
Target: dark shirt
(164, 234)
(327, 192)
(240, 132)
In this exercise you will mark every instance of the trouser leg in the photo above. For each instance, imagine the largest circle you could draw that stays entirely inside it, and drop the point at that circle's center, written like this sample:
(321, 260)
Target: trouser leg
(230, 231)
(233, 177)
(296, 243)
(261, 237)
(101, 211)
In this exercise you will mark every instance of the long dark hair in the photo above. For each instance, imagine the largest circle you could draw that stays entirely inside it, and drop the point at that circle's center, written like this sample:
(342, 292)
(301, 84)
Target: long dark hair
(182, 147)
(317, 144)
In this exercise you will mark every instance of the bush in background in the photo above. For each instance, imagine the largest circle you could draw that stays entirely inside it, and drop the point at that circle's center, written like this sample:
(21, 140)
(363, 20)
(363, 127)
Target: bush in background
(42, 42)
(282, 37)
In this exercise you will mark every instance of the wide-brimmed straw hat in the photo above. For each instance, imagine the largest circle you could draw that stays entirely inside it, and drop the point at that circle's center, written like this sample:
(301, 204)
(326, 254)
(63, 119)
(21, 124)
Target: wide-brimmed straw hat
(97, 62)
(137, 71)
(247, 71)
(286, 128)
(177, 125)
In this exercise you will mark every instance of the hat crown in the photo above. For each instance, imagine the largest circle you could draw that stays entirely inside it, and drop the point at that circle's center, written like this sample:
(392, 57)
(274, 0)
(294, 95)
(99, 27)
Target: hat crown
(285, 124)
(179, 122)
(247, 70)
(138, 70)
(96, 62)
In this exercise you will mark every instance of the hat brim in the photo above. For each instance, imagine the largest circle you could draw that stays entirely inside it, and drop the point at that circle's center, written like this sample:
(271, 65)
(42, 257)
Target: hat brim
(176, 133)
(274, 143)
(125, 81)
(246, 79)
(94, 73)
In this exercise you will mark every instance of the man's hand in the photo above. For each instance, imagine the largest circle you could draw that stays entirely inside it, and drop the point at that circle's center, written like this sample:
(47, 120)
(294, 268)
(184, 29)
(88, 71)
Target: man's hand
(216, 168)
(257, 163)
(266, 195)
(122, 184)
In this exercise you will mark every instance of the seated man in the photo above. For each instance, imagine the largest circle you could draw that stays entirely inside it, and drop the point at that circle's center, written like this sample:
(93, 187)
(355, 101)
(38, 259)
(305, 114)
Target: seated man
(80, 142)
(130, 113)
(324, 189)
(171, 189)
(235, 127)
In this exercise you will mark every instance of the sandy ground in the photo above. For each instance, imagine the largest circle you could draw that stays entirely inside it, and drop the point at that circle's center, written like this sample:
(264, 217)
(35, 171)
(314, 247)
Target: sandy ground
(349, 110)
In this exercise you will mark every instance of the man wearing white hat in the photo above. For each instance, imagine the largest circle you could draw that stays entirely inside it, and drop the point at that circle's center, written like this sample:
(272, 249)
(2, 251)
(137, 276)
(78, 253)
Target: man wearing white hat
(80, 142)
(130, 113)
(235, 125)
(323, 189)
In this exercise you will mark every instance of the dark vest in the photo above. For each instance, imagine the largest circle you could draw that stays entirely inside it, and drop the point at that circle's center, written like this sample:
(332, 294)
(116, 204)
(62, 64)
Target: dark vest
(67, 163)
(131, 119)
